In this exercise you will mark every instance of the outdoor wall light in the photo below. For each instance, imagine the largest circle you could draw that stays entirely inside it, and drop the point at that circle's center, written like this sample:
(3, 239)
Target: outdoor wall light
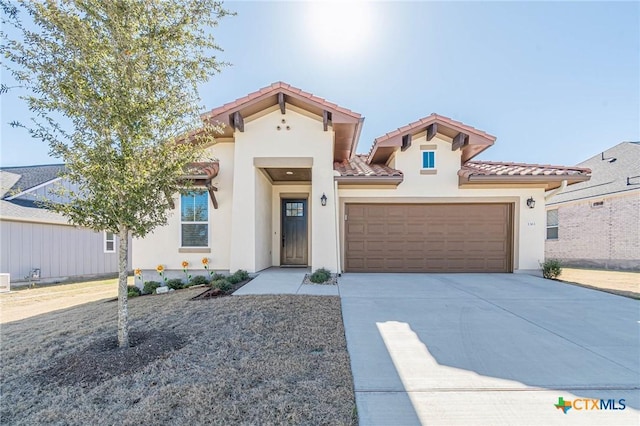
(531, 203)
(323, 199)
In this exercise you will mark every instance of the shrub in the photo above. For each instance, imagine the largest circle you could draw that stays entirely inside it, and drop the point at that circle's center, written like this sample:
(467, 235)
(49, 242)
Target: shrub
(223, 284)
(551, 268)
(175, 283)
(150, 287)
(241, 274)
(233, 279)
(199, 280)
(320, 275)
(133, 291)
(216, 277)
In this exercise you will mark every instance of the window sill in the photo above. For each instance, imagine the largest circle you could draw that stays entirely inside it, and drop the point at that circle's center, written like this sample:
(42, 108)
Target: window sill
(428, 171)
(194, 250)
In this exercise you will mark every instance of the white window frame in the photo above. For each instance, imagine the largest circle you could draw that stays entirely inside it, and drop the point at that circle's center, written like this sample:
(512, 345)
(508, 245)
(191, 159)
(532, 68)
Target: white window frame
(557, 226)
(107, 240)
(207, 222)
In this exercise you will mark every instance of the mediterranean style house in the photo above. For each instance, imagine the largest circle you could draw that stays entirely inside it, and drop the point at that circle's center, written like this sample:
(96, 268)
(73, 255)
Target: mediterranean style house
(288, 189)
(596, 224)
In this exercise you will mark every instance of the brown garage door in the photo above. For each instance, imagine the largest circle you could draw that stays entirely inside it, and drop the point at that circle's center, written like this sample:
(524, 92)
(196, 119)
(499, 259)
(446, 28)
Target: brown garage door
(428, 238)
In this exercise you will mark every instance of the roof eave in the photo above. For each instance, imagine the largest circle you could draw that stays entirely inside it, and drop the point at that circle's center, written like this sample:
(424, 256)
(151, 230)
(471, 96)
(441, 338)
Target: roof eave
(370, 180)
(549, 182)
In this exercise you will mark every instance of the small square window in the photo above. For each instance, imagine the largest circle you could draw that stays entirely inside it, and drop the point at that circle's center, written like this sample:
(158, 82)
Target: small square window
(109, 242)
(428, 160)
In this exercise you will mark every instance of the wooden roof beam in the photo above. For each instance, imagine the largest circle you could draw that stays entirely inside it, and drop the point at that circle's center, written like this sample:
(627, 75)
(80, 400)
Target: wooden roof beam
(281, 102)
(432, 129)
(326, 117)
(460, 140)
(406, 142)
(237, 122)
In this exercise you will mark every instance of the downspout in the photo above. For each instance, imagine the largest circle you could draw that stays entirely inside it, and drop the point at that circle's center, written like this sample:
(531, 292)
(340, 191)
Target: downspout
(337, 212)
(562, 187)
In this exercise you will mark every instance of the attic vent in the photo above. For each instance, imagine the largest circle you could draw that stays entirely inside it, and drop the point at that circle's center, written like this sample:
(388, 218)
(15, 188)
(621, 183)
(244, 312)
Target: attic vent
(597, 204)
(5, 283)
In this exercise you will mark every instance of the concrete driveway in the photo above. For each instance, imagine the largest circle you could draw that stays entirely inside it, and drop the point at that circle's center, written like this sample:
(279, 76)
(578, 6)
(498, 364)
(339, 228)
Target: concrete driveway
(489, 349)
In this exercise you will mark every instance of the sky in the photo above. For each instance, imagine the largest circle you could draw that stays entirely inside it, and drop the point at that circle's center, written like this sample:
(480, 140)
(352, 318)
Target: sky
(555, 82)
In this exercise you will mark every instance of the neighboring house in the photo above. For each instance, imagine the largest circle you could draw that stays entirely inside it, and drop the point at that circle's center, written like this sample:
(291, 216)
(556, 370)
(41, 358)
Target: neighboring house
(34, 238)
(597, 223)
(291, 191)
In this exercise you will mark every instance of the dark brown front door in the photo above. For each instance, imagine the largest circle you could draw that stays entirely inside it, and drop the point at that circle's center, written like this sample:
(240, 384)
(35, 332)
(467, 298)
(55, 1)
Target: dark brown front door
(294, 232)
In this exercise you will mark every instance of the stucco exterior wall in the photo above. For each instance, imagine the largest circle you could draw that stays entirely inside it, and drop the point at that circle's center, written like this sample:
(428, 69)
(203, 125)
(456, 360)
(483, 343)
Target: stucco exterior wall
(60, 251)
(162, 246)
(442, 187)
(262, 139)
(606, 236)
(263, 221)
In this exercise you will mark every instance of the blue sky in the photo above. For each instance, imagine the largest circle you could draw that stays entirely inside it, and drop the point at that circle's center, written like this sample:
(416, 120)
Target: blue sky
(555, 82)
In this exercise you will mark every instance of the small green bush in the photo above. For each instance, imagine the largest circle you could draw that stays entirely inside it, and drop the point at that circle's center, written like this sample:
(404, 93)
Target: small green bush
(199, 280)
(551, 268)
(175, 283)
(223, 285)
(133, 291)
(241, 274)
(216, 277)
(150, 287)
(320, 275)
(233, 279)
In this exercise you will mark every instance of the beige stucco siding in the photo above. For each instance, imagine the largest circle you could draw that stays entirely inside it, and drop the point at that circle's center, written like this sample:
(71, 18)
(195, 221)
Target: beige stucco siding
(263, 209)
(442, 187)
(162, 246)
(261, 138)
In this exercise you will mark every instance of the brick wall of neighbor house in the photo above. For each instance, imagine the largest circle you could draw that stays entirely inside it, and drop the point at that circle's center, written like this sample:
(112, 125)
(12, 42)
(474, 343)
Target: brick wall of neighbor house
(606, 236)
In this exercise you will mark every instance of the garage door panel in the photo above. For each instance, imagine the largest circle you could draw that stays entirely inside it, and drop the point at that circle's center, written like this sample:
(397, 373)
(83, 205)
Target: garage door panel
(428, 238)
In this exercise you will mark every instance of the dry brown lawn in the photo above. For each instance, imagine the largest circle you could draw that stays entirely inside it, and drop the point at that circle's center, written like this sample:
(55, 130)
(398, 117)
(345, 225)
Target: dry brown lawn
(24, 302)
(236, 360)
(618, 282)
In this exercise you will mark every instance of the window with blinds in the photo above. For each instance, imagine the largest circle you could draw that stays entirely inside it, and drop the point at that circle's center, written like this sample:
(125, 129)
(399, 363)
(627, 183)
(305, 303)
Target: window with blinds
(194, 217)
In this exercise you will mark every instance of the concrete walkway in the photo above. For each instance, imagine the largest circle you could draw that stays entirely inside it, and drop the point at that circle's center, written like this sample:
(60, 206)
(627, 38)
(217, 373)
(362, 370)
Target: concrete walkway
(489, 349)
(285, 281)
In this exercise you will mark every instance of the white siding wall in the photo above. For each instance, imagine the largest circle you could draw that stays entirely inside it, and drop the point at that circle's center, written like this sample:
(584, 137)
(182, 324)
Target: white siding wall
(59, 251)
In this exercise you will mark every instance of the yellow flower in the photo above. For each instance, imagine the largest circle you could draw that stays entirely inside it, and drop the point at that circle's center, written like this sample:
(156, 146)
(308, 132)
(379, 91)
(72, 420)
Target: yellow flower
(137, 272)
(185, 263)
(205, 261)
(160, 269)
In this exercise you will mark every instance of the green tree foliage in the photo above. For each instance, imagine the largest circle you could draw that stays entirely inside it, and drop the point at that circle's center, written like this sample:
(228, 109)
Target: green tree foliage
(124, 75)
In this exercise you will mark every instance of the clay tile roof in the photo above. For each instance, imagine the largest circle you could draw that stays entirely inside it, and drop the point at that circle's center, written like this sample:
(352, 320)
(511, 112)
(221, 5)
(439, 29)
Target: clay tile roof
(209, 169)
(428, 119)
(493, 168)
(358, 167)
(275, 88)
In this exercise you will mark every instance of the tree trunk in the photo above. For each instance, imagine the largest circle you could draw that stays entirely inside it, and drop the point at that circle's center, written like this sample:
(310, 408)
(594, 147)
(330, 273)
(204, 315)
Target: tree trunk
(123, 314)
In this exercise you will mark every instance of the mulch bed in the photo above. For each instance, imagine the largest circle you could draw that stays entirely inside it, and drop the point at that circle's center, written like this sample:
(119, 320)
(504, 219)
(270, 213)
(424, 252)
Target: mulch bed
(331, 281)
(103, 359)
(210, 293)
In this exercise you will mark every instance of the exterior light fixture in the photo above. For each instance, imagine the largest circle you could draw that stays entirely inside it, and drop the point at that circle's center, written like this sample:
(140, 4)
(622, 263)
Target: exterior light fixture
(531, 203)
(289, 172)
(323, 199)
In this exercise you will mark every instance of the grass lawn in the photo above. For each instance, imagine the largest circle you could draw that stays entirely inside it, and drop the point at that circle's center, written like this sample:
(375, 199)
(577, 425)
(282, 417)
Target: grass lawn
(618, 282)
(231, 360)
(24, 302)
